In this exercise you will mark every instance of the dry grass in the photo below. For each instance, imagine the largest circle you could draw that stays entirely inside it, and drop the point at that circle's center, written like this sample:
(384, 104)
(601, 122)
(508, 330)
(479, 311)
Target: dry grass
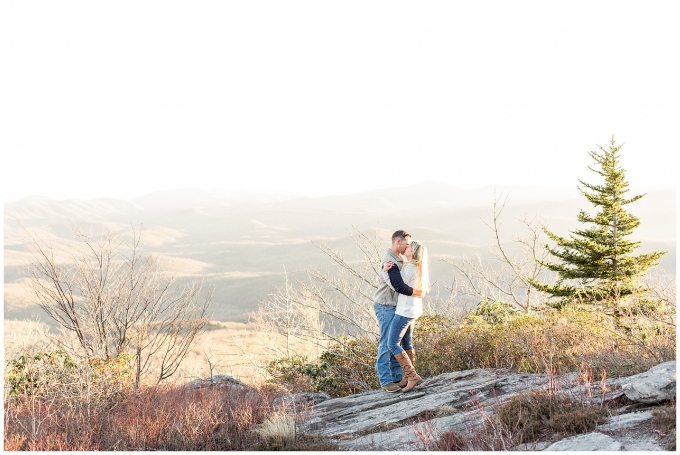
(231, 348)
(159, 418)
(279, 432)
(664, 420)
(530, 416)
(81, 408)
(237, 349)
(278, 427)
(524, 419)
(445, 410)
(554, 342)
(451, 441)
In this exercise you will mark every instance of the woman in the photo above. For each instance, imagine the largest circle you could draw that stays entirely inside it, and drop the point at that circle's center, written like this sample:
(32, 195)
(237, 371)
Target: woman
(415, 273)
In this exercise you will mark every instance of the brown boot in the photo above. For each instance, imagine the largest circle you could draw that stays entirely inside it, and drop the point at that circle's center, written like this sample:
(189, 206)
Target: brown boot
(411, 353)
(412, 356)
(409, 372)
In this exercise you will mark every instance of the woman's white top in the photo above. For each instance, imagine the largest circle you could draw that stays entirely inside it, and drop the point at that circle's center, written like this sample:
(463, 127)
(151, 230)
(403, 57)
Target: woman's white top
(407, 306)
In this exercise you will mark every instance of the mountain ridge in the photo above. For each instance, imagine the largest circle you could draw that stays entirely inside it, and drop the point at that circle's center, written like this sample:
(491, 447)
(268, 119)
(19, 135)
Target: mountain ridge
(257, 239)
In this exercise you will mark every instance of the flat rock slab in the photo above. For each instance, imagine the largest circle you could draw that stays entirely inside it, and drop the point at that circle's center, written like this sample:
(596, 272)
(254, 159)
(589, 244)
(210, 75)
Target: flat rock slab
(587, 443)
(365, 412)
(414, 437)
(458, 401)
(625, 420)
(653, 386)
(637, 444)
(355, 416)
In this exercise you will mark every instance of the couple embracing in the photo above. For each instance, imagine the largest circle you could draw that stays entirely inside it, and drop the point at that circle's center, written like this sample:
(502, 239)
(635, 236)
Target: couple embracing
(403, 281)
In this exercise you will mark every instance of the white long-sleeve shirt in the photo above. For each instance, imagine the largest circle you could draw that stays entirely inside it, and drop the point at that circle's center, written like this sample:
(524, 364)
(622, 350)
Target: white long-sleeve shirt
(407, 306)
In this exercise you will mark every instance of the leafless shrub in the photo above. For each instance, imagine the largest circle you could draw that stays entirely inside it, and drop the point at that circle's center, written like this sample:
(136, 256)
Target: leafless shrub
(329, 306)
(345, 295)
(508, 278)
(646, 319)
(333, 306)
(288, 321)
(112, 299)
(661, 286)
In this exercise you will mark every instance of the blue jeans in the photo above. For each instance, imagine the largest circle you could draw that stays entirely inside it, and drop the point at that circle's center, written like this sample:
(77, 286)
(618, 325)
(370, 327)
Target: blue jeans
(386, 365)
(400, 334)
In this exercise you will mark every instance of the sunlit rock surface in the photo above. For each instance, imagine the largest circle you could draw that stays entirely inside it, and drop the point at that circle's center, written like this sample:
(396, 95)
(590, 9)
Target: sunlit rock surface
(458, 401)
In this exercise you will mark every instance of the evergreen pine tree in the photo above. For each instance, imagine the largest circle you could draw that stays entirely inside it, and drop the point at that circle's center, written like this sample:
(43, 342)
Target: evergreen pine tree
(596, 263)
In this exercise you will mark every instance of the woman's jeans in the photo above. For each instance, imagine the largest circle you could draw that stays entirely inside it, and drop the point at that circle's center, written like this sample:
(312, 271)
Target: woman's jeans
(386, 365)
(400, 334)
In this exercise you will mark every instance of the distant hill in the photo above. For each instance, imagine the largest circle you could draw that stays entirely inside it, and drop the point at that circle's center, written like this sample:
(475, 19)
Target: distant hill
(240, 242)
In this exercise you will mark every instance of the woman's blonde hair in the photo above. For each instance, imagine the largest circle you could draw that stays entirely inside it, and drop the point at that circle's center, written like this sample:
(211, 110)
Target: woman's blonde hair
(420, 260)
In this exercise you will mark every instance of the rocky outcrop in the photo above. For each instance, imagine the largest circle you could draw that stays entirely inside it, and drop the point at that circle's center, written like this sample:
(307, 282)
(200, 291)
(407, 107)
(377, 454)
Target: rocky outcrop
(457, 401)
(653, 386)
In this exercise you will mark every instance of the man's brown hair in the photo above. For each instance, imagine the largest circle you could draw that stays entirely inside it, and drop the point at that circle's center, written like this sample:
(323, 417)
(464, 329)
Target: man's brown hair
(400, 235)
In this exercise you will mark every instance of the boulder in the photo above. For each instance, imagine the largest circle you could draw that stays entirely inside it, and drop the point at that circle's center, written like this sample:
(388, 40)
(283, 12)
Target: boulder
(652, 386)
(220, 380)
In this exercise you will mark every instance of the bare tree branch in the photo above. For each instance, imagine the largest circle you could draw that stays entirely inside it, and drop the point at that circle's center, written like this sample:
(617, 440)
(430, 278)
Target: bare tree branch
(508, 278)
(116, 300)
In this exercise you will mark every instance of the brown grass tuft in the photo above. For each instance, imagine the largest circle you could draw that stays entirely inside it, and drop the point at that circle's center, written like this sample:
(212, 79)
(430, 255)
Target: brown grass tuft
(664, 419)
(450, 441)
(530, 416)
(524, 419)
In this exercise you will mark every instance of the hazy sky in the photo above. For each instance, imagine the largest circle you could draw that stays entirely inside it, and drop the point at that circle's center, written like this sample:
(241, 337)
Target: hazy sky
(119, 99)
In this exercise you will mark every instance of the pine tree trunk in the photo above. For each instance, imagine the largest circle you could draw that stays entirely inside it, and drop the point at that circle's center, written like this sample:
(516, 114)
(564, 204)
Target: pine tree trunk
(615, 259)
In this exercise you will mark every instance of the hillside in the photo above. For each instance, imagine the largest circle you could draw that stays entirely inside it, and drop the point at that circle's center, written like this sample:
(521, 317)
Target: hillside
(241, 243)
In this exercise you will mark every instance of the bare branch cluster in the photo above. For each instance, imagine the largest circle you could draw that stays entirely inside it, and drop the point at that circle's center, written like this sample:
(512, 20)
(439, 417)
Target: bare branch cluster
(286, 319)
(507, 278)
(328, 305)
(646, 319)
(660, 285)
(114, 299)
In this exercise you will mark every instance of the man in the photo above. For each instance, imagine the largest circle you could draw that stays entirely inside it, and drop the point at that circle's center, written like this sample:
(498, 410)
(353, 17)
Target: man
(385, 303)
